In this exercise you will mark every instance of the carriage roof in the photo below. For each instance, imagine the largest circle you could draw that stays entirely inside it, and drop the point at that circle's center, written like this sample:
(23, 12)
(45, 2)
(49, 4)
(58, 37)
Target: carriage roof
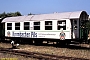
(52, 16)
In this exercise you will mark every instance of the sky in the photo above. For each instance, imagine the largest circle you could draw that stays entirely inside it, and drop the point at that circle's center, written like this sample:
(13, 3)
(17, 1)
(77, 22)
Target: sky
(44, 6)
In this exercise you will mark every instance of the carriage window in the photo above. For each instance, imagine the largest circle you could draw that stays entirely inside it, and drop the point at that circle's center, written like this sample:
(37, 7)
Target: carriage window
(36, 25)
(17, 26)
(9, 26)
(75, 22)
(26, 25)
(61, 25)
(48, 25)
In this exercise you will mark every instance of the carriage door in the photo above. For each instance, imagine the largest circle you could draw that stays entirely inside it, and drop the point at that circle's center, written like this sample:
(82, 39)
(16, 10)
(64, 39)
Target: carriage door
(83, 30)
(74, 29)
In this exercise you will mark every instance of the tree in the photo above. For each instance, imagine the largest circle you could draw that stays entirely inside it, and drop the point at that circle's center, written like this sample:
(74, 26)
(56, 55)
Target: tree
(31, 14)
(10, 14)
(3, 15)
(18, 14)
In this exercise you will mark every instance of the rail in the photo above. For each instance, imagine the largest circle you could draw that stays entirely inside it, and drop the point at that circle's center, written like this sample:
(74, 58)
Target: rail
(38, 55)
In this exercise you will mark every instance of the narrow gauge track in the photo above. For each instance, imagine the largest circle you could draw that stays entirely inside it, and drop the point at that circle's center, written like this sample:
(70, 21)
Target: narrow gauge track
(38, 55)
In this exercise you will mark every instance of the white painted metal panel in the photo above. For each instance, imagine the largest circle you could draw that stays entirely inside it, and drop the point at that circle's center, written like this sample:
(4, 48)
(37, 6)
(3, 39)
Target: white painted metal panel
(38, 34)
(50, 34)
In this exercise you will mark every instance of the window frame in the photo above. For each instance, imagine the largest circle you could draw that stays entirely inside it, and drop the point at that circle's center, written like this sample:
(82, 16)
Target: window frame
(17, 26)
(26, 26)
(58, 24)
(9, 26)
(48, 26)
(36, 25)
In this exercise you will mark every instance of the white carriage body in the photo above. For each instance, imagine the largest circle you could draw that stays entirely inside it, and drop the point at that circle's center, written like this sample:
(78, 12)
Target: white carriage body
(42, 33)
(54, 33)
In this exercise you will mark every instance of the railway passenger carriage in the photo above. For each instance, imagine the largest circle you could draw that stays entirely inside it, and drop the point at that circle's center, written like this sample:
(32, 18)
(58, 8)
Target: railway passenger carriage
(57, 26)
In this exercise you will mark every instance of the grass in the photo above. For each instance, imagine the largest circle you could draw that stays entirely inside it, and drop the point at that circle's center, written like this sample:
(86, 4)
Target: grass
(67, 51)
(6, 56)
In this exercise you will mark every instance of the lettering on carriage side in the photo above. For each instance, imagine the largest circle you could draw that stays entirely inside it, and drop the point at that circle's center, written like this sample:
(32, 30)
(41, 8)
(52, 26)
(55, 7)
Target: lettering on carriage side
(33, 34)
(24, 34)
(21, 34)
(62, 36)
